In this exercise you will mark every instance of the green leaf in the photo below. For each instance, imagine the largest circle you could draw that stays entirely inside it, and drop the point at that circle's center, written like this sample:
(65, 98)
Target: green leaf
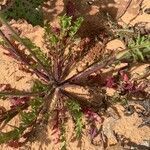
(63, 137)
(37, 52)
(50, 36)
(53, 39)
(36, 103)
(38, 86)
(65, 24)
(11, 135)
(139, 49)
(75, 27)
(77, 115)
(27, 118)
(2, 42)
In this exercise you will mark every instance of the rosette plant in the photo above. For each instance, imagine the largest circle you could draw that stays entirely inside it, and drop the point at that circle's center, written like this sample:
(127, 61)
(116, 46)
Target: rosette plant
(49, 93)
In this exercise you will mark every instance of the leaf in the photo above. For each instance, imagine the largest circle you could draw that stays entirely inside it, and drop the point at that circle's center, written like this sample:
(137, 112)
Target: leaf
(18, 101)
(139, 54)
(110, 82)
(77, 114)
(138, 49)
(75, 27)
(37, 52)
(15, 144)
(51, 34)
(63, 137)
(138, 45)
(38, 86)
(2, 42)
(65, 23)
(36, 103)
(27, 118)
(11, 135)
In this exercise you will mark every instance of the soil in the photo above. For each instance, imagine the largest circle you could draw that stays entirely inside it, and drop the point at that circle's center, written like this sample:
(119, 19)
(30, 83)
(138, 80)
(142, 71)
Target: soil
(94, 23)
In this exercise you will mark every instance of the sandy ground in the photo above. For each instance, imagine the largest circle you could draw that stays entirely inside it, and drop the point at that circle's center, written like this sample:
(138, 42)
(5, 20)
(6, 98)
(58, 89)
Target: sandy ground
(93, 24)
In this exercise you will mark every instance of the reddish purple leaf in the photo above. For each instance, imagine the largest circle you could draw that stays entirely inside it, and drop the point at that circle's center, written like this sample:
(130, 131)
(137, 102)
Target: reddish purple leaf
(92, 116)
(124, 76)
(110, 82)
(129, 86)
(56, 30)
(93, 132)
(15, 144)
(17, 101)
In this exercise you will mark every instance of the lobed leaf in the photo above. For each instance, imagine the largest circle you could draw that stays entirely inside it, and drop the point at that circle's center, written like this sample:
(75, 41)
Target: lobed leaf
(11, 135)
(75, 27)
(37, 52)
(77, 115)
(65, 24)
(38, 86)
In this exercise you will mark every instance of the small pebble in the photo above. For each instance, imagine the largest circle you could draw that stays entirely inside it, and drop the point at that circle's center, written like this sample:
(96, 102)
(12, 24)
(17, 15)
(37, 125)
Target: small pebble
(129, 110)
(147, 11)
(90, 2)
